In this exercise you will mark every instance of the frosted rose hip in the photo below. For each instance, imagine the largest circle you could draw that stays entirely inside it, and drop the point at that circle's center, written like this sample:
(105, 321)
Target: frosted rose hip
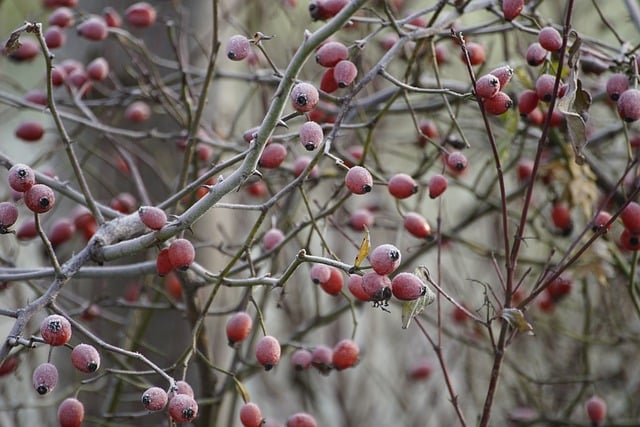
(55, 330)
(358, 180)
(345, 354)
(154, 399)
(268, 352)
(385, 259)
(407, 287)
(45, 378)
(183, 408)
(238, 327)
(70, 413)
(85, 358)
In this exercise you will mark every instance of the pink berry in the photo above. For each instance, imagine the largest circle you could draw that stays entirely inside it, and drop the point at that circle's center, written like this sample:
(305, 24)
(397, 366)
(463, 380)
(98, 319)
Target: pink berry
(630, 217)
(457, 161)
(420, 370)
(268, 352)
(524, 170)
(301, 419)
(70, 413)
(476, 53)
(527, 102)
(550, 39)
(536, 54)
(154, 399)
(238, 47)
(36, 96)
(499, 104)
(181, 254)
(272, 156)
(361, 219)
(27, 230)
(311, 135)
(137, 112)
(85, 358)
(94, 29)
(358, 180)
(55, 330)
(301, 359)
(385, 259)
(163, 264)
(30, 131)
(182, 387)
(428, 129)
(140, 15)
(8, 216)
(325, 9)
(596, 409)
(328, 82)
(45, 378)
(21, 177)
(407, 287)
(55, 37)
(330, 53)
(344, 73)
(512, 8)
(333, 286)
(112, 17)
(321, 359)
(629, 105)
(61, 231)
(272, 238)
(345, 354)
(301, 163)
(487, 86)
(152, 217)
(616, 85)
(183, 408)
(629, 240)
(354, 283)
(437, 185)
(61, 17)
(544, 87)
(98, 69)
(561, 217)
(417, 225)
(238, 327)
(600, 220)
(304, 97)
(320, 273)
(402, 186)
(250, 415)
(27, 50)
(376, 286)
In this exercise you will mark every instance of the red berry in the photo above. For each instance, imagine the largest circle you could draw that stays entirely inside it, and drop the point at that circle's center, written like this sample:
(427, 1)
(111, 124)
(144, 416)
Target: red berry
(311, 135)
(476, 52)
(333, 286)
(428, 129)
(61, 17)
(358, 180)
(9, 365)
(437, 185)
(173, 286)
(154, 399)
(487, 86)
(36, 96)
(544, 87)
(30, 131)
(301, 419)
(301, 359)
(550, 39)
(325, 9)
(27, 230)
(417, 225)
(344, 73)
(407, 287)
(345, 354)
(559, 288)
(140, 15)
(58, 76)
(27, 50)
(536, 54)
(354, 283)
(328, 82)
(600, 220)
(304, 97)
(181, 254)
(402, 186)
(61, 231)
(420, 370)
(499, 104)
(527, 102)
(183, 408)
(457, 161)
(561, 217)
(55, 330)
(616, 85)
(238, 47)
(385, 259)
(630, 217)
(55, 37)
(238, 327)
(376, 286)
(272, 156)
(152, 217)
(361, 219)
(320, 273)
(250, 415)
(8, 216)
(301, 163)
(330, 53)
(85, 358)
(163, 265)
(272, 238)
(182, 387)
(512, 8)
(45, 378)
(70, 413)
(138, 112)
(268, 352)
(630, 240)
(98, 69)
(124, 202)
(524, 169)
(629, 105)
(321, 359)
(94, 28)
(596, 409)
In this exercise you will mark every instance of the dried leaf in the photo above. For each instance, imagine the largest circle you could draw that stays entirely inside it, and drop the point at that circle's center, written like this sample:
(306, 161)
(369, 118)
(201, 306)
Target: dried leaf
(411, 309)
(365, 247)
(516, 320)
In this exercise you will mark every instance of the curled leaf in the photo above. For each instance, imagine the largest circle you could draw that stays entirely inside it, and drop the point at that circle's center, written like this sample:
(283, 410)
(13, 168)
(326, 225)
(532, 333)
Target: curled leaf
(365, 247)
(411, 309)
(515, 319)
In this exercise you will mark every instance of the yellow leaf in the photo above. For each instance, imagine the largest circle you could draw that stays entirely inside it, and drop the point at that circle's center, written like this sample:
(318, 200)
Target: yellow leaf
(365, 247)
(516, 319)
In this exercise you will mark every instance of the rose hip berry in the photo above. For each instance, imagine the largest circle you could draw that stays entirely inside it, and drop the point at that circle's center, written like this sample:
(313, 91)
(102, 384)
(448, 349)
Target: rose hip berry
(325, 9)
(138, 112)
(45, 378)
(94, 29)
(536, 54)
(61, 231)
(457, 161)
(140, 15)
(428, 129)
(527, 102)
(344, 73)
(98, 69)
(330, 53)
(358, 180)
(85, 358)
(630, 240)
(301, 419)
(39, 198)
(437, 185)
(630, 217)
(183, 408)
(238, 47)
(476, 53)
(354, 284)
(345, 354)
(301, 359)
(272, 238)
(304, 97)
(181, 254)
(152, 217)
(498, 104)
(61, 17)
(417, 225)
(544, 87)
(402, 186)
(55, 330)
(600, 220)
(361, 219)
(385, 259)
(250, 415)
(407, 286)
(70, 413)
(30, 131)
(616, 85)
(8, 216)
(376, 286)
(629, 105)
(328, 82)
(561, 218)
(268, 352)
(550, 39)
(182, 387)
(596, 409)
(163, 264)
(320, 273)
(238, 327)
(273, 155)
(321, 359)
(154, 399)
(311, 135)
(487, 86)
(511, 9)
(333, 286)
(21, 177)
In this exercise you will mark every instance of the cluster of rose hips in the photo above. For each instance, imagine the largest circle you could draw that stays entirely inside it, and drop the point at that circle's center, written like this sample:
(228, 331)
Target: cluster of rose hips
(179, 401)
